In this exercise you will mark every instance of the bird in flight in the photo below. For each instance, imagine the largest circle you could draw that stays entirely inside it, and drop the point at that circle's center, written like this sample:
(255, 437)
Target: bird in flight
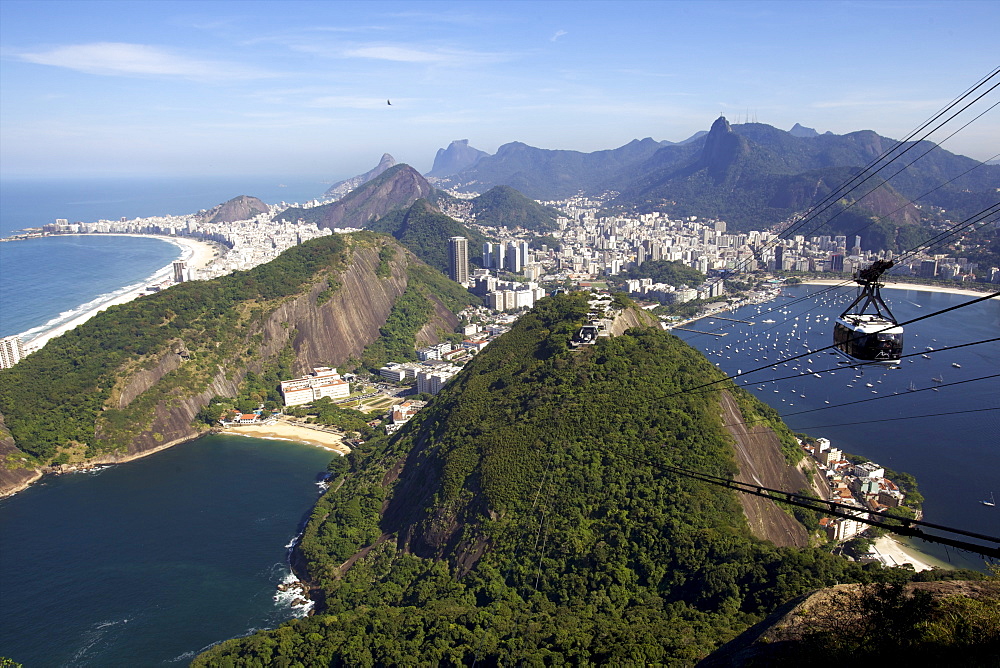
(388, 103)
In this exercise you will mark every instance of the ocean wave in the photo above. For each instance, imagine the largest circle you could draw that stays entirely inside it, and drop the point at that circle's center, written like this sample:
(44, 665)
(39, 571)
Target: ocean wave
(97, 303)
(292, 595)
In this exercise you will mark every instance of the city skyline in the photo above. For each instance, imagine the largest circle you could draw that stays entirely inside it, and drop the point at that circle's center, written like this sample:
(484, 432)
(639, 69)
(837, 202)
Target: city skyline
(168, 88)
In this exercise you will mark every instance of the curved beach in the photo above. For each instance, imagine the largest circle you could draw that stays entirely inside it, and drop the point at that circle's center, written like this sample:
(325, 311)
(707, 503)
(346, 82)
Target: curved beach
(198, 254)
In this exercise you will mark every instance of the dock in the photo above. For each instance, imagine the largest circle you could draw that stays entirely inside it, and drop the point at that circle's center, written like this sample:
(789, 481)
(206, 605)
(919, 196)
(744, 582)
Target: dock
(717, 317)
(698, 331)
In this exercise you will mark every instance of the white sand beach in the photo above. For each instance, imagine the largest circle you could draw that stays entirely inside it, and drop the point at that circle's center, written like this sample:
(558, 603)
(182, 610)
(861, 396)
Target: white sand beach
(911, 286)
(291, 432)
(894, 553)
(197, 254)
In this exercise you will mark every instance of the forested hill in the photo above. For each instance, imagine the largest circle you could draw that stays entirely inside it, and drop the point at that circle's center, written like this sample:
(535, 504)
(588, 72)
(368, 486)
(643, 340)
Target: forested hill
(424, 230)
(133, 378)
(524, 517)
(503, 206)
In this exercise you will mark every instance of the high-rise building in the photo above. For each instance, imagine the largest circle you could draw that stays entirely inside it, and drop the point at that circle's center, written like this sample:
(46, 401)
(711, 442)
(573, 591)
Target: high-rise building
(488, 261)
(458, 260)
(11, 351)
(837, 263)
(181, 272)
(513, 258)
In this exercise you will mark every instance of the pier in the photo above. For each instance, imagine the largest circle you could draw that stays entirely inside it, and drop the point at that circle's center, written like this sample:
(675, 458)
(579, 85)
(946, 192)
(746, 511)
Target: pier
(698, 331)
(717, 317)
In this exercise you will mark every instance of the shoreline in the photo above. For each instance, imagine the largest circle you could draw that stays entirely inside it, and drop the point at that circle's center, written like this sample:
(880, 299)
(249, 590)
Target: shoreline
(893, 552)
(283, 431)
(891, 285)
(331, 443)
(198, 254)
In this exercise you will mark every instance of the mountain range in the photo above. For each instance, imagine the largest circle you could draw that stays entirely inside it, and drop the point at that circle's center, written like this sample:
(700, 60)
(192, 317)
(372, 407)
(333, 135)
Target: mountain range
(752, 175)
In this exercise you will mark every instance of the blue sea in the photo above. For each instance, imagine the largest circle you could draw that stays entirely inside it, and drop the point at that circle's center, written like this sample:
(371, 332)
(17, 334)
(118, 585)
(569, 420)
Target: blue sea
(150, 562)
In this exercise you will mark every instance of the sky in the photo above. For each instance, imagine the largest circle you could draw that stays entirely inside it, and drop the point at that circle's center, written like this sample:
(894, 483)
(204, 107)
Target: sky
(301, 88)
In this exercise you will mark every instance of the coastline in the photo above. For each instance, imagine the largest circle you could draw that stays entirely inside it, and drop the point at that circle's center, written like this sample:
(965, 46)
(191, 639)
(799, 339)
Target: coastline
(198, 254)
(906, 286)
(284, 431)
(892, 552)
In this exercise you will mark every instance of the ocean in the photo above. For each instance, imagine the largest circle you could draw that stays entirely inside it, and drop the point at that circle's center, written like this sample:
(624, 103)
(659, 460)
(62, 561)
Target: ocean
(150, 562)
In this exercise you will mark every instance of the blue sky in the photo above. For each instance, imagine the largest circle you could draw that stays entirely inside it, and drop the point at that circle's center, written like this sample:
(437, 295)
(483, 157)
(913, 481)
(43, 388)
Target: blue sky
(300, 88)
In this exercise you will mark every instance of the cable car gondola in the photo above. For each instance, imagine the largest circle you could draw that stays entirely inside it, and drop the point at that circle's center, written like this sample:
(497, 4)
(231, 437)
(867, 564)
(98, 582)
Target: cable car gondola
(869, 337)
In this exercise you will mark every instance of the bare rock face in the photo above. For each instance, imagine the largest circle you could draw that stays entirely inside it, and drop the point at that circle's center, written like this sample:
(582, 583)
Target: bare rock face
(761, 462)
(16, 469)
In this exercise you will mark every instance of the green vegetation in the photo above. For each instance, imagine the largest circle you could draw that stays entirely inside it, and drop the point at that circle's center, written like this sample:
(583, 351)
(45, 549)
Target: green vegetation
(666, 271)
(425, 231)
(328, 413)
(524, 516)
(503, 206)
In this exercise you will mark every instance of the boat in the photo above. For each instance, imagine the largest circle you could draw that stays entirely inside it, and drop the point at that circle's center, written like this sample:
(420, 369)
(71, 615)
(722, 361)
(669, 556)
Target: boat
(992, 502)
(956, 365)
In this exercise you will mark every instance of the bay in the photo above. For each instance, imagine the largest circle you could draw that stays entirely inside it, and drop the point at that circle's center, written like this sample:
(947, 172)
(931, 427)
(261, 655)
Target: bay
(955, 458)
(148, 563)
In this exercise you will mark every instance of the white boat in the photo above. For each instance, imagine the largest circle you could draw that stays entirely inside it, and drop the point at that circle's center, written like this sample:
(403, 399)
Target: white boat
(992, 502)
(956, 365)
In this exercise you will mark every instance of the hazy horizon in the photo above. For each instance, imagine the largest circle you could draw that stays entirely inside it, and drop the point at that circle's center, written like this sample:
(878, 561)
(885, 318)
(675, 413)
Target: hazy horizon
(301, 88)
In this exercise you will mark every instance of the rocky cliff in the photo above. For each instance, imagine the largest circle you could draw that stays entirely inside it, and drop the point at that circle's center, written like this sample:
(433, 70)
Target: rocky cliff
(243, 207)
(341, 188)
(398, 187)
(17, 470)
(458, 156)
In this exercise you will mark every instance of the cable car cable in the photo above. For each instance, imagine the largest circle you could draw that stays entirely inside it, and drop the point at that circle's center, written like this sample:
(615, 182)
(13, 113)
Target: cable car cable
(955, 229)
(897, 419)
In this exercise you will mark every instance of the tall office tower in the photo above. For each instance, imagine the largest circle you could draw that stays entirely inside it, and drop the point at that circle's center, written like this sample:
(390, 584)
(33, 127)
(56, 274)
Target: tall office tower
(523, 253)
(11, 351)
(488, 260)
(837, 263)
(181, 273)
(458, 260)
(779, 258)
(513, 258)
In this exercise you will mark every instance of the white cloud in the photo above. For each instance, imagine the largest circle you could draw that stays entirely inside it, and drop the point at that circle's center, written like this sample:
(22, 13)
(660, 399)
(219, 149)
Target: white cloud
(559, 33)
(124, 59)
(407, 54)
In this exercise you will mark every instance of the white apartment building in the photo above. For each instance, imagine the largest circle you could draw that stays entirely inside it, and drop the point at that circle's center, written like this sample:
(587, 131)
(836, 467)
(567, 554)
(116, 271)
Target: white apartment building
(323, 382)
(11, 351)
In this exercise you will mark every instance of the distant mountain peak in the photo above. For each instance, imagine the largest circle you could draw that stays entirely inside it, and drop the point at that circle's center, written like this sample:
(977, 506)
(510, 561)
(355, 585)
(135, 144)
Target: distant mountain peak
(243, 207)
(457, 157)
(338, 190)
(802, 131)
(720, 125)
